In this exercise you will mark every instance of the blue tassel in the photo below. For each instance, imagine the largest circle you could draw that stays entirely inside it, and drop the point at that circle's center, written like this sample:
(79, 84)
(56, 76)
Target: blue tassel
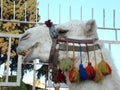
(82, 70)
(83, 73)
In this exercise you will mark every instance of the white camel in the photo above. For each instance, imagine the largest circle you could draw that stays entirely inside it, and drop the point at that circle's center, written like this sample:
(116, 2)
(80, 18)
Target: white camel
(36, 44)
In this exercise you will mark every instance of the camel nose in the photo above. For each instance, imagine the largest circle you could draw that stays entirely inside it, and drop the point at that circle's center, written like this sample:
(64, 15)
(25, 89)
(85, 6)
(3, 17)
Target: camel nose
(24, 52)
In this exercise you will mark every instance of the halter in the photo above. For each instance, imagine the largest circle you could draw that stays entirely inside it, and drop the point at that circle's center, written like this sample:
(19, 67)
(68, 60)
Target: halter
(61, 40)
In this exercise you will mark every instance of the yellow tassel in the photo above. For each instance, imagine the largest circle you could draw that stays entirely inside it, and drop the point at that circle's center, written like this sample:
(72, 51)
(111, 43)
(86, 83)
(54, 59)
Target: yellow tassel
(102, 66)
(98, 76)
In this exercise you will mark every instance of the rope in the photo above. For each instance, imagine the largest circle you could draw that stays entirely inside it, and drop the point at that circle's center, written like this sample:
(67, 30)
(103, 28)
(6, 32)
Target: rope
(87, 52)
(80, 53)
(95, 56)
(73, 59)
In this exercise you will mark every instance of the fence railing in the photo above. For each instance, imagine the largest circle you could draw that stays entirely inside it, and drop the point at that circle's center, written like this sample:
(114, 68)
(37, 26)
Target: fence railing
(6, 65)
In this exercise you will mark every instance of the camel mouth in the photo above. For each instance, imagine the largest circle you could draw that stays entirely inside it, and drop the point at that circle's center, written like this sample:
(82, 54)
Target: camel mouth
(27, 52)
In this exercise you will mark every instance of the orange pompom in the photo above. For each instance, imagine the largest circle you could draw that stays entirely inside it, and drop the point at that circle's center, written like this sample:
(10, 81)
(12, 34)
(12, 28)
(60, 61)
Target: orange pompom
(74, 75)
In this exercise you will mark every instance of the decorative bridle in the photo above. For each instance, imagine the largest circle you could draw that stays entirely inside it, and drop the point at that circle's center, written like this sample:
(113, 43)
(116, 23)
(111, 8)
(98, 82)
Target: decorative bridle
(75, 75)
(56, 38)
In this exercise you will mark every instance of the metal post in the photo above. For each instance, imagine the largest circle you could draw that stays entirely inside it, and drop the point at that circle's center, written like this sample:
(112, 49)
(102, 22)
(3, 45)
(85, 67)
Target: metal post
(8, 58)
(1, 9)
(36, 11)
(19, 70)
(103, 17)
(14, 10)
(59, 14)
(114, 25)
(34, 75)
(25, 10)
(92, 13)
(70, 13)
(81, 13)
(48, 11)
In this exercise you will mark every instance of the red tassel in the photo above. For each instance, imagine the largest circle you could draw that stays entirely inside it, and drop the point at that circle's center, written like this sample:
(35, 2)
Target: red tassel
(59, 77)
(90, 71)
(74, 75)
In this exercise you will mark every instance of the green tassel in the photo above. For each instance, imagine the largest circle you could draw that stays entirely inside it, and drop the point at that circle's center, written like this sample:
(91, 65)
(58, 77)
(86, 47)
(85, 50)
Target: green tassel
(65, 64)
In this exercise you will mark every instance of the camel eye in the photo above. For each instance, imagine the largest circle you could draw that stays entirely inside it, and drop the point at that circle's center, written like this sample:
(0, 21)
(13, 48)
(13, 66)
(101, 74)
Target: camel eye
(25, 36)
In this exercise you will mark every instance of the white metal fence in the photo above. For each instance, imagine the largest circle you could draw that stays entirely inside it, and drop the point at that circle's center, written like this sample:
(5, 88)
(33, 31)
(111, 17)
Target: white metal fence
(110, 43)
(6, 74)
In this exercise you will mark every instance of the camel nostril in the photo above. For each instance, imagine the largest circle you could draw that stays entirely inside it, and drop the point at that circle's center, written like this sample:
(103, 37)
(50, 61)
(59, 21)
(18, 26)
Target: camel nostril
(24, 52)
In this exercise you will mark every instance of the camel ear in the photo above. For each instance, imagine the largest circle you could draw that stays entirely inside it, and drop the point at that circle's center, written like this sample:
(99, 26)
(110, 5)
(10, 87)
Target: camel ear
(90, 27)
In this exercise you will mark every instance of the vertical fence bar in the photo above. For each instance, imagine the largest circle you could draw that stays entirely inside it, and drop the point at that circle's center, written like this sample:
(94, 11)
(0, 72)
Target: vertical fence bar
(70, 13)
(81, 13)
(59, 13)
(110, 47)
(92, 13)
(36, 11)
(103, 17)
(48, 10)
(25, 11)
(114, 18)
(1, 9)
(19, 70)
(114, 25)
(8, 58)
(14, 10)
(34, 75)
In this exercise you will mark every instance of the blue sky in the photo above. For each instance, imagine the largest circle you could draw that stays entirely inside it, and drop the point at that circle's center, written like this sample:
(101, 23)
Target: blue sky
(98, 5)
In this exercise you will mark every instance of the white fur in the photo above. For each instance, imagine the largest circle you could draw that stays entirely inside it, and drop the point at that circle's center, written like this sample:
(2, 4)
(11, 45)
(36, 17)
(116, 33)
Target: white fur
(76, 30)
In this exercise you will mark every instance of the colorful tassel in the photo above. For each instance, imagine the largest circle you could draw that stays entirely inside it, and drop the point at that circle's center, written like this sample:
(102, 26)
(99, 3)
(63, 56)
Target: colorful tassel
(74, 74)
(98, 76)
(83, 74)
(59, 77)
(104, 66)
(48, 23)
(82, 71)
(53, 32)
(89, 69)
(65, 63)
